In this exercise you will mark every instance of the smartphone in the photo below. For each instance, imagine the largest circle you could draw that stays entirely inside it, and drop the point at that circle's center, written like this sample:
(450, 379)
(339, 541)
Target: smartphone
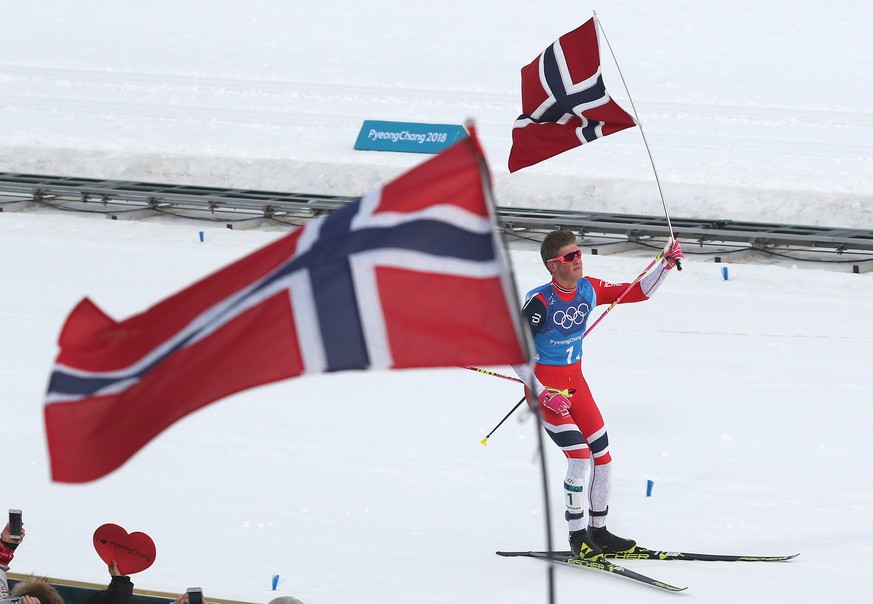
(15, 524)
(195, 595)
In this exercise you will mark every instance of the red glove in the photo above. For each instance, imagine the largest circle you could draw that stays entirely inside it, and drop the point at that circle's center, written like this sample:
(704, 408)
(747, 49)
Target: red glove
(674, 255)
(555, 401)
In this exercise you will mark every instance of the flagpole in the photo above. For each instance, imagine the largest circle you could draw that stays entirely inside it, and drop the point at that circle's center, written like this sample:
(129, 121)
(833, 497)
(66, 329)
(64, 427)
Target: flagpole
(524, 334)
(639, 124)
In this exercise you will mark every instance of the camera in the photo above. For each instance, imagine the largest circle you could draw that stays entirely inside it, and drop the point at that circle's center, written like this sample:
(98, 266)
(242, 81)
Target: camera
(195, 595)
(11, 601)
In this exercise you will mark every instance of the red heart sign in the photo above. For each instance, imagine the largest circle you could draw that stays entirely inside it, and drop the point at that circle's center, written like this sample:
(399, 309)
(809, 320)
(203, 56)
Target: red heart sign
(132, 553)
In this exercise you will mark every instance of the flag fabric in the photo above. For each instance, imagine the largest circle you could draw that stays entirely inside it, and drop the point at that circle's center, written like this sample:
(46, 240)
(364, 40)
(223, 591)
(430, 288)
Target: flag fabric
(564, 101)
(410, 275)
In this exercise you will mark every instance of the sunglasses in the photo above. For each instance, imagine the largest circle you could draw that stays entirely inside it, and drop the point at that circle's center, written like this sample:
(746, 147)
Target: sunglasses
(568, 257)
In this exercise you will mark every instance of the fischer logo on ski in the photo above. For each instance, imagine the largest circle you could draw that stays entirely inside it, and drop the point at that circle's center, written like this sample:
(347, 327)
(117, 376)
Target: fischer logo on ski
(601, 565)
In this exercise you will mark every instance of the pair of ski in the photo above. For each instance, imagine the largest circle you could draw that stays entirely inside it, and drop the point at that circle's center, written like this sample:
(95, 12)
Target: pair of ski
(639, 553)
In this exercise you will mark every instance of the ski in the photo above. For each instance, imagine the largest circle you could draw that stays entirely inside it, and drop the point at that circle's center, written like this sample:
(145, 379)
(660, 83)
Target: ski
(601, 565)
(644, 553)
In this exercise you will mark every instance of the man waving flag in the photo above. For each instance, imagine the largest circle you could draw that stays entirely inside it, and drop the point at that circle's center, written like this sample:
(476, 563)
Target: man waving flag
(410, 275)
(564, 101)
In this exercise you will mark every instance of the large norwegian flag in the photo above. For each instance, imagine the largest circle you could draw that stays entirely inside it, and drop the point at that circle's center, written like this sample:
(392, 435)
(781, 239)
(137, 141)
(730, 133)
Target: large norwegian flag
(564, 101)
(410, 275)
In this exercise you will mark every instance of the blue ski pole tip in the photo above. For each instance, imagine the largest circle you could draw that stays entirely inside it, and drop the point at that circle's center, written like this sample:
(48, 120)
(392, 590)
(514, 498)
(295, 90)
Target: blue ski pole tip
(724, 272)
(649, 485)
(201, 236)
(275, 582)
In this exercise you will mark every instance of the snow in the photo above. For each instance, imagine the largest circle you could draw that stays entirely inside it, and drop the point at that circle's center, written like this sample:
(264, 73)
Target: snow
(754, 111)
(745, 401)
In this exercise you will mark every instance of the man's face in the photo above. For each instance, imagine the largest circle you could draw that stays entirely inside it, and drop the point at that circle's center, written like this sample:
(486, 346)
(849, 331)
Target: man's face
(563, 271)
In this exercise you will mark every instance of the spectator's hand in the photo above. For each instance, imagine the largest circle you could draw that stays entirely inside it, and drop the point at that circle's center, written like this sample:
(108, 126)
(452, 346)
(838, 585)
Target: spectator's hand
(113, 569)
(29, 600)
(674, 255)
(555, 401)
(183, 599)
(5, 536)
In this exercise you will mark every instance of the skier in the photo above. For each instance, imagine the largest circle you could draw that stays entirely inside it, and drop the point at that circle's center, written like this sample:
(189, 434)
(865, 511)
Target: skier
(557, 313)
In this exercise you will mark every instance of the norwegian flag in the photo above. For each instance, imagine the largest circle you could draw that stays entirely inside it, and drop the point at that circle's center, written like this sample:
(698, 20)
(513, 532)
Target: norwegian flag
(564, 101)
(410, 275)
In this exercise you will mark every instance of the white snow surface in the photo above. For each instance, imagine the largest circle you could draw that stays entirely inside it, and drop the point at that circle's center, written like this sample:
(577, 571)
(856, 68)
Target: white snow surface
(753, 110)
(746, 401)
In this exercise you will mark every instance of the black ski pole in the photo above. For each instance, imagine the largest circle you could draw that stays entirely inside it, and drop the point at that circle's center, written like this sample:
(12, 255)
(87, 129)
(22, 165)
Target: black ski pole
(511, 411)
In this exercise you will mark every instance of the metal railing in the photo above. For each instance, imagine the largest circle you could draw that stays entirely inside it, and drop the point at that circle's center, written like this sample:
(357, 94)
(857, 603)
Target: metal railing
(241, 207)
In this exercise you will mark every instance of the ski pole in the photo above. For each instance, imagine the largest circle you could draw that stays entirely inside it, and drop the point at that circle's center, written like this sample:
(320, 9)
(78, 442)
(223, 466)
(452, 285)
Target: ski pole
(511, 411)
(505, 377)
(495, 374)
(625, 292)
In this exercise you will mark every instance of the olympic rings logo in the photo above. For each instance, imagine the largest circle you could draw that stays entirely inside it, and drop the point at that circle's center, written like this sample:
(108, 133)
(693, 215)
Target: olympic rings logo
(574, 315)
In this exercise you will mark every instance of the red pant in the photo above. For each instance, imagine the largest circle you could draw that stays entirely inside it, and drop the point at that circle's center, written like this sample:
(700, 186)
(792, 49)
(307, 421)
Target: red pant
(583, 432)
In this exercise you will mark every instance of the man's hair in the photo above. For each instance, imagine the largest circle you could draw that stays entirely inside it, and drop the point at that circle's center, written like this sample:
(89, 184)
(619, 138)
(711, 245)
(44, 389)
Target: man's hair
(554, 241)
(38, 587)
(285, 600)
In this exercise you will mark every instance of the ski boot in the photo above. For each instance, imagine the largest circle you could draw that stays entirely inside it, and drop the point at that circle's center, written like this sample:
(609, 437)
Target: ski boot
(582, 547)
(609, 543)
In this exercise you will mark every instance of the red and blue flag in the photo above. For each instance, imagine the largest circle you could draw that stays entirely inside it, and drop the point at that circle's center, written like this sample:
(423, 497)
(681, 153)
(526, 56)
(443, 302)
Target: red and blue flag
(564, 100)
(410, 275)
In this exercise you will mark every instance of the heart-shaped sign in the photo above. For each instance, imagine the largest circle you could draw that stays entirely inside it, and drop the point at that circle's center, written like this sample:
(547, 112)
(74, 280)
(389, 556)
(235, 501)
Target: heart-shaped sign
(132, 552)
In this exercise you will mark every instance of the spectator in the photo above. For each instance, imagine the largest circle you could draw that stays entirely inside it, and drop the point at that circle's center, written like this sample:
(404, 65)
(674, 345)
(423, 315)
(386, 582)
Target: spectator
(32, 590)
(36, 590)
(7, 551)
(119, 591)
(285, 600)
(183, 599)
